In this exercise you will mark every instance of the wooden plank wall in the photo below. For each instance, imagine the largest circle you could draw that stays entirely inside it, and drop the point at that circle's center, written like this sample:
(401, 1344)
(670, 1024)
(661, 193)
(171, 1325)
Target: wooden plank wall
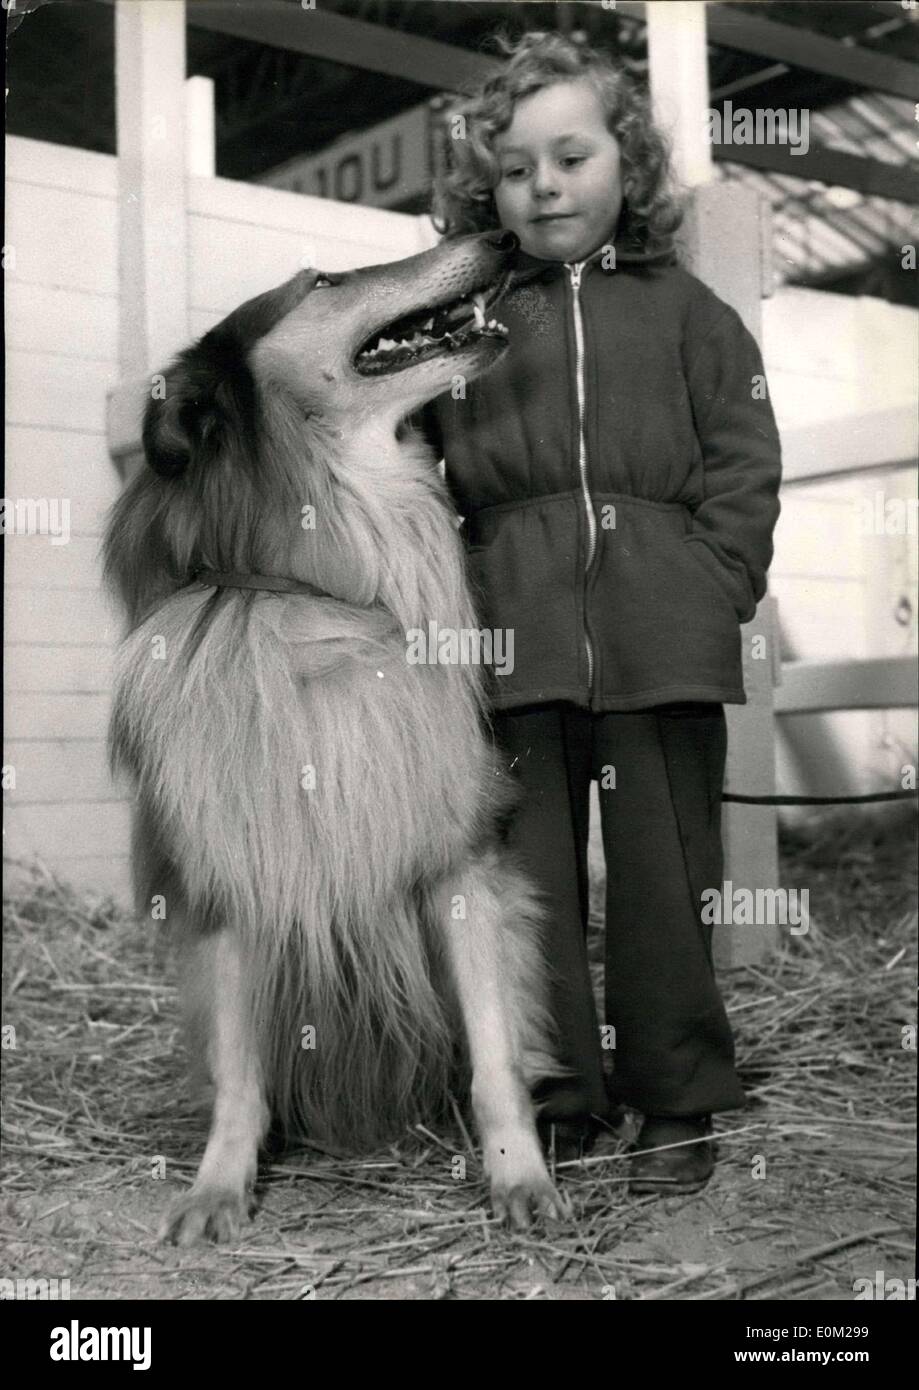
(61, 295)
(62, 345)
(840, 585)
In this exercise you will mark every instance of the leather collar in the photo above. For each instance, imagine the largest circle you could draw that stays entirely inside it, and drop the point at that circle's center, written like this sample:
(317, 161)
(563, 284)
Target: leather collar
(273, 583)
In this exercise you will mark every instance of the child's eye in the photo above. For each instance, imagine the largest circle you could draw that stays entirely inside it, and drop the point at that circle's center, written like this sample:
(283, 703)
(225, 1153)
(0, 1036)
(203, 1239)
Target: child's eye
(512, 173)
(576, 158)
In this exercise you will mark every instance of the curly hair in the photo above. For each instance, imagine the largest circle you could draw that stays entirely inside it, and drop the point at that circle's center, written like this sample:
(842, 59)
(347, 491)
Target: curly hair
(463, 193)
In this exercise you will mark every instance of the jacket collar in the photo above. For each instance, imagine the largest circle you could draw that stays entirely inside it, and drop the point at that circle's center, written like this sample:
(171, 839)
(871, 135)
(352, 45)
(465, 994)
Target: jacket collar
(527, 267)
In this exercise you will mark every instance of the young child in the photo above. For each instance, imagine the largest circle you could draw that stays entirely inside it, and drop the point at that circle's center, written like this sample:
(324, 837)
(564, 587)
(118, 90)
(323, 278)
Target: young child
(617, 473)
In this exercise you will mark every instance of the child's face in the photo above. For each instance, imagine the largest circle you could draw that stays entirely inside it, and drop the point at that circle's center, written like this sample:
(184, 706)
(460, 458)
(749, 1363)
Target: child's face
(559, 187)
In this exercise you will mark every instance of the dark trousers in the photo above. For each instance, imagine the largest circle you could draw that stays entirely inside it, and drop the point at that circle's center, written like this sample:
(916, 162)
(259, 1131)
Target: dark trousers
(661, 827)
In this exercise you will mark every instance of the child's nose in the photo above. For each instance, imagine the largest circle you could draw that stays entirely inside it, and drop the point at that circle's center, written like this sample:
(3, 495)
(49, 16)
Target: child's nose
(544, 183)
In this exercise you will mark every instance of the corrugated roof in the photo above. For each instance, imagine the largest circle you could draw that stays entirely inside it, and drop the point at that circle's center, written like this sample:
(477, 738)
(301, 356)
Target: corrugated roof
(821, 231)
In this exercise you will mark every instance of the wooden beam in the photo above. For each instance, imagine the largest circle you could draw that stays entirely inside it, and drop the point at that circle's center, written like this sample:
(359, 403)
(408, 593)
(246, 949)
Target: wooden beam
(678, 73)
(340, 39)
(802, 48)
(152, 235)
(720, 217)
(722, 244)
(871, 177)
(124, 418)
(811, 687)
(851, 444)
(448, 67)
(200, 128)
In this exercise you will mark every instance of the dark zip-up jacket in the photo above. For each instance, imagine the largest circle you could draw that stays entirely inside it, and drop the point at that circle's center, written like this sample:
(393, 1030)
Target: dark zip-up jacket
(618, 475)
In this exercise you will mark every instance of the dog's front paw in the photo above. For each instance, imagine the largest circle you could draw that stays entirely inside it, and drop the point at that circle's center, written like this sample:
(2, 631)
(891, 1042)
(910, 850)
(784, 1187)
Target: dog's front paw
(530, 1199)
(521, 1189)
(205, 1213)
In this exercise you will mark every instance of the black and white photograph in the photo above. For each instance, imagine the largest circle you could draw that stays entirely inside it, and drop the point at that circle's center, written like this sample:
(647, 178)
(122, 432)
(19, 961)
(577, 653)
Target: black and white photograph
(460, 665)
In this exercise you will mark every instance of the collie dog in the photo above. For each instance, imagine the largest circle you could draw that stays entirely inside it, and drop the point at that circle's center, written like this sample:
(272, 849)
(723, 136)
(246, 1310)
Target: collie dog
(316, 814)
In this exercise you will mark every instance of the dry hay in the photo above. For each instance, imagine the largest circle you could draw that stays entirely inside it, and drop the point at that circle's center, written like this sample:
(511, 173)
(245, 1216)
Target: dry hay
(95, 1090)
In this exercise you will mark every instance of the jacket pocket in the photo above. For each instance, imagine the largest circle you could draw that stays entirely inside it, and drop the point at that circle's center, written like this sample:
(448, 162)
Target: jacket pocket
(733, 584)
(663, 621)
(701, 594)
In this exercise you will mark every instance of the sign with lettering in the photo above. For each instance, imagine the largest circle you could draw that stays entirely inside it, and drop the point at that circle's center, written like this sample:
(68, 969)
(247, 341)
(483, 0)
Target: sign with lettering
(385, 166)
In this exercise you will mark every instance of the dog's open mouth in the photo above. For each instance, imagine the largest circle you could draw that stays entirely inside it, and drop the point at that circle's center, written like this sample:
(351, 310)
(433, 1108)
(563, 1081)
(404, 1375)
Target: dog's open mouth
(430, 332)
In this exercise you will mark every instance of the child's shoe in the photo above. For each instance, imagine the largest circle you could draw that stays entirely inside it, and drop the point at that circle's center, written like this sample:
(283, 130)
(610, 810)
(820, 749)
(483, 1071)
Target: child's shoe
(575, 1136)
(567, 1140)
(672, 1171)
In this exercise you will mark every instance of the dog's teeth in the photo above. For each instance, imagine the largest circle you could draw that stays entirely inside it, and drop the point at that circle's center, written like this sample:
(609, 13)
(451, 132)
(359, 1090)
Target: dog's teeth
(433, 332)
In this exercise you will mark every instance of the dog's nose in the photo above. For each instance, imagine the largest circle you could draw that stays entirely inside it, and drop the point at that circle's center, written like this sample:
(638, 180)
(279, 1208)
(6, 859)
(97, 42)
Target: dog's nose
(503, 240)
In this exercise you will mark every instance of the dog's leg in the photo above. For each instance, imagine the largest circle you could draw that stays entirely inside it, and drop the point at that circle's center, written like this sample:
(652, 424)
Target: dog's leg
(474, 911)
(217, 1006)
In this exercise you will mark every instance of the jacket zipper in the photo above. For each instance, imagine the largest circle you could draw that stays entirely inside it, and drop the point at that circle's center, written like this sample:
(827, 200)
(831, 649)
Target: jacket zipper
(575, 273)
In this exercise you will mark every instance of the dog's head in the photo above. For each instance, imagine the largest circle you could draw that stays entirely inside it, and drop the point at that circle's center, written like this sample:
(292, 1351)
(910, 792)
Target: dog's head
(338, 349)
(294, 401)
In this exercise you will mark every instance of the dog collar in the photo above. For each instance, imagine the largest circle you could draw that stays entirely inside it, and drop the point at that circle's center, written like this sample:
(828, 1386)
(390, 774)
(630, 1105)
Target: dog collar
(273, 583)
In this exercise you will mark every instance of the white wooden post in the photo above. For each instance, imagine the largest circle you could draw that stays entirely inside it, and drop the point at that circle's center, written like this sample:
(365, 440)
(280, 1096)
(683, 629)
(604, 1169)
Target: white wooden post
(200, 128)
(152, 234)
(722, 244)
(678, 75)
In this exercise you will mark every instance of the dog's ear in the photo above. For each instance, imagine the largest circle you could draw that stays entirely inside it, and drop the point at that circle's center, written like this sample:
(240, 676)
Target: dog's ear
(207, 403)
(178, 425)
(171, 428)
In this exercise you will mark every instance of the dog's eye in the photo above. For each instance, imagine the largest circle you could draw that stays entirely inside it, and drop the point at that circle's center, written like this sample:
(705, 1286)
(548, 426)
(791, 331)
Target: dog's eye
(322, 282)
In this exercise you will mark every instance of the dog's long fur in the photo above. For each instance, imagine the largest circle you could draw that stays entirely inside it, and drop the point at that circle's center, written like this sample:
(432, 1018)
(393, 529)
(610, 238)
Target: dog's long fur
(317, 813)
